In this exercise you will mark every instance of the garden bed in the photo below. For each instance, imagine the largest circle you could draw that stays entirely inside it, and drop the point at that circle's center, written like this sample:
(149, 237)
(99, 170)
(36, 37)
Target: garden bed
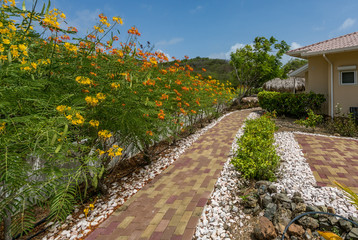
(227, 215)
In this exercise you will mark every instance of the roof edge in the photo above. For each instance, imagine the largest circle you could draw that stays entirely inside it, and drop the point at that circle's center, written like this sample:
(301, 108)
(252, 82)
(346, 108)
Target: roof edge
(337, 50)
(298, 72)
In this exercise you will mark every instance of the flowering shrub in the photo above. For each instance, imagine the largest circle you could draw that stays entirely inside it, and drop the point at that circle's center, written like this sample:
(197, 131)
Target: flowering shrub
(73, 103)
(311, 120)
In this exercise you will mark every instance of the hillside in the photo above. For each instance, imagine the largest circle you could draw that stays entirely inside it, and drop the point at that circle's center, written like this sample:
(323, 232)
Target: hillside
(219, 69)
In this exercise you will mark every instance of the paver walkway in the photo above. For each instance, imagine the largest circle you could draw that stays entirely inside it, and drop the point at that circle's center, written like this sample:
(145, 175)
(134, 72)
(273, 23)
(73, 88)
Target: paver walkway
(331, 159)
(170, 206)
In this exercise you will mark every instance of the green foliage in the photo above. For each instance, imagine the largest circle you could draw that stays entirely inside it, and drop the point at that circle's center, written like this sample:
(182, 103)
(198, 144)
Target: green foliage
(293, 65)
(69, 103)
(311, 120)
(256, 157)
(350, 195)
(290, 103)
(344, 125)
(255, 64)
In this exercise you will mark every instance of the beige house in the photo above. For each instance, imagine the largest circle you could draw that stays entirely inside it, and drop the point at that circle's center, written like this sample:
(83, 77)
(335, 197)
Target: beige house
(331, 70)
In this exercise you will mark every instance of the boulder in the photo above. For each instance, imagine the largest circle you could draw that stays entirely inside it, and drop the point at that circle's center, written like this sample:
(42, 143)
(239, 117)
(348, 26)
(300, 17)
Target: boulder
(264, 229)
(296, 230)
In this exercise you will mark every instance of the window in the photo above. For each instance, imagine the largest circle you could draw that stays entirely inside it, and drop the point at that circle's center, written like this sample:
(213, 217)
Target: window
(347, 75)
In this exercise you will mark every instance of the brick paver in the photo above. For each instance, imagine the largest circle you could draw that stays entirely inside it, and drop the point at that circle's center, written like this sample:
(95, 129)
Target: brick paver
(170, 206)
(331, 159)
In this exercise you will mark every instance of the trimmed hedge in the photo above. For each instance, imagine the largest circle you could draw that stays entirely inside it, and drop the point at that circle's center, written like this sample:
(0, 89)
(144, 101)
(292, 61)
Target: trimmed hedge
(289, 103)
(256, 157)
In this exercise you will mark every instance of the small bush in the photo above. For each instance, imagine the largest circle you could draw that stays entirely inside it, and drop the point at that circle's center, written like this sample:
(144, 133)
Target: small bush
(289, 103)
(311, 121)
(343, 125)
(256, 157)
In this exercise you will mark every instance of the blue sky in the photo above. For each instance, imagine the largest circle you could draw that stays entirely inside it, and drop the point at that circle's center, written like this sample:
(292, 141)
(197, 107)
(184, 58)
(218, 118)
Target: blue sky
(213, 28)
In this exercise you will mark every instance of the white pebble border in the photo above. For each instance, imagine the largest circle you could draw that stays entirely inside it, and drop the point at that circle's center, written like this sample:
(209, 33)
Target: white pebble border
(222, 212)
(294, 175)
(78, 228)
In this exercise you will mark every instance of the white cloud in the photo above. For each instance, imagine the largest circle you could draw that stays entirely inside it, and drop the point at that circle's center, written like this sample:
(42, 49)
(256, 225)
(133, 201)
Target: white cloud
(166, 54)
(349, 22)
(170, 42)
(295, 45)
(195, 10)
(233, 48)
(84, 20)
(226, 55)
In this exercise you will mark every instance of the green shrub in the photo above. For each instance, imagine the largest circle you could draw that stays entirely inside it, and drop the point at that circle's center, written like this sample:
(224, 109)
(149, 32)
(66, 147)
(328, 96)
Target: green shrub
(311, 121)
(256, 157)
(289, 103)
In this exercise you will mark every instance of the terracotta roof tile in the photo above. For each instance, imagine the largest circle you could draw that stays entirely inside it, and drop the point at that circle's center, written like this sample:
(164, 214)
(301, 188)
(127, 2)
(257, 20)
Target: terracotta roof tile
(345, 41)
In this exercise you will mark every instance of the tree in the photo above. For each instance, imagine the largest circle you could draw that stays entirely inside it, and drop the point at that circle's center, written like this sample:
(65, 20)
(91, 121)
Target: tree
(293, 65)
(257, 63)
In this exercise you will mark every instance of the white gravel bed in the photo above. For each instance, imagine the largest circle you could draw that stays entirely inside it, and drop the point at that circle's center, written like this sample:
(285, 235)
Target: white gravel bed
(222, 212)
(119, 192)
(296, 175)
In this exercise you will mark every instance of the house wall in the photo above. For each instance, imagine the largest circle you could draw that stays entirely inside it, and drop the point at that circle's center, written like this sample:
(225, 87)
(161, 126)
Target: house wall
(316, 79)
(345, 95)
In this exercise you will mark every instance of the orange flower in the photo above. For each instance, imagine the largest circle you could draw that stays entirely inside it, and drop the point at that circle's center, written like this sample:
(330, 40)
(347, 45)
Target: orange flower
(183, 111)
(150, 133)
(161, 115)
(193, 111)
(164, 96)
(204, 70)
(158, 103)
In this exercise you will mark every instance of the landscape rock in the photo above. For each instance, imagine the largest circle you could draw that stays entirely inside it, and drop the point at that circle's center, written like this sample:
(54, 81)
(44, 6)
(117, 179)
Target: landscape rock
(264, 230)
(309, 222)
(345, 225)
(353, 234)
(296, 230)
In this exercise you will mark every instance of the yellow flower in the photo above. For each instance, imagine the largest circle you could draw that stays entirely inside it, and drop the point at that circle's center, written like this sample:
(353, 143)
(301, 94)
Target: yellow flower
(6, 41)
(61, 108)
(3, 57)
(2, 49)
(101, 152)
(86, 210)
(115, 85)
(63, 16)
(91, 101)
(83, 80)
(2, 127)
(104, 134)
(94, 123)
(69, 117)
(79, 120)
(119, 152)
(91, 206)
(118, 20)
(101, 96)
(34, 65)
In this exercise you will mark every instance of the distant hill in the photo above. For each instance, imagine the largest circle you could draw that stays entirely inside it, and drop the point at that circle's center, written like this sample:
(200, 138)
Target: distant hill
(219, 69)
